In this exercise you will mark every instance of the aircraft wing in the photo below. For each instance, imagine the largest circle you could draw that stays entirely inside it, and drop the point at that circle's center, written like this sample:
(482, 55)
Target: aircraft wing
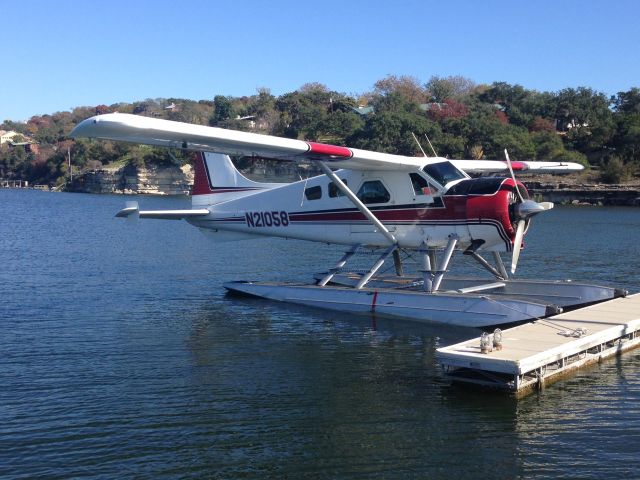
(496, 166)
(165, 133)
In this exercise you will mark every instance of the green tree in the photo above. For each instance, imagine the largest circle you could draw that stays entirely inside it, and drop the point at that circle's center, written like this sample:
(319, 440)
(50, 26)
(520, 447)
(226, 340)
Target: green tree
(627, 102)
(626, 140)
(390, 129)
(547, 145)
(585, 116)
(222, 110)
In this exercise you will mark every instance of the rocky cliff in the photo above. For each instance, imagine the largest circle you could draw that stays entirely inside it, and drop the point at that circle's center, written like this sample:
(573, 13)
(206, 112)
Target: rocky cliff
(130, 179)
(173, 180)
(582, 189)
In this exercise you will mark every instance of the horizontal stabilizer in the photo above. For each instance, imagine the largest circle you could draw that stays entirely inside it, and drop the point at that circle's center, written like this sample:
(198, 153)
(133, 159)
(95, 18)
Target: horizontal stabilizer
(132, 210)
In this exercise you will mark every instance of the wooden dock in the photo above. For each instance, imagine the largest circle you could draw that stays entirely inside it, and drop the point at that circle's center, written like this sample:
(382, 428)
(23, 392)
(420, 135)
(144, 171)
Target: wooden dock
(541, 352)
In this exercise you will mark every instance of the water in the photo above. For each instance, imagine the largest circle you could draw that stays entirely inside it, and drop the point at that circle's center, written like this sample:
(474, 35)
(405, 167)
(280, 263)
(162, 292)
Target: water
(121, 356)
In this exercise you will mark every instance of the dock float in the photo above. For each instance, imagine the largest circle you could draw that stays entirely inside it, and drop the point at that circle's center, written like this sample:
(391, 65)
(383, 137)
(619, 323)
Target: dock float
(535, 354)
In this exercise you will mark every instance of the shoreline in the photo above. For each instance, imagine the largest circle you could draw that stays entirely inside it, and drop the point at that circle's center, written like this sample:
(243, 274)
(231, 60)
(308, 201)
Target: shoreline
(579, 189)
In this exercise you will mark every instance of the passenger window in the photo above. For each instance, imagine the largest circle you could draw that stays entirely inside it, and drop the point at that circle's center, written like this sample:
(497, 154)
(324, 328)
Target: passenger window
(373, 192)
(335, 191)
(421, 186)
(313, 193)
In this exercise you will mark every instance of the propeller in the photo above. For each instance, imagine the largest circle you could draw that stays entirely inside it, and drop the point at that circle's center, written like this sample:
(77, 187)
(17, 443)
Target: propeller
(522, 212)
(513, 176)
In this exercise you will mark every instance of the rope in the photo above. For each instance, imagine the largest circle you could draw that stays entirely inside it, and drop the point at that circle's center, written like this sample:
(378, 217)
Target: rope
(576, 332)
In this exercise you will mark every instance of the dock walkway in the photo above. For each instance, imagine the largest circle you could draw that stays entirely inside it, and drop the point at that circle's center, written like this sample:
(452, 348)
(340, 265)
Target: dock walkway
(543, 351)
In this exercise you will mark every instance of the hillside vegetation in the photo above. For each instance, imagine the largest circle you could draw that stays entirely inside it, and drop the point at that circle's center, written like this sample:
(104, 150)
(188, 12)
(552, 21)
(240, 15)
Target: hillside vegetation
(462, 120)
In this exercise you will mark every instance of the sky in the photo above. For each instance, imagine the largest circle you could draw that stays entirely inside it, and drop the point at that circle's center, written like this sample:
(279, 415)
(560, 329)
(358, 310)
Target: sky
(68, 53)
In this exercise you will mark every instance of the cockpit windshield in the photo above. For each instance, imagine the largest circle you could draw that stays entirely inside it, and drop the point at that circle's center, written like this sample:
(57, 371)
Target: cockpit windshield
(443, 172)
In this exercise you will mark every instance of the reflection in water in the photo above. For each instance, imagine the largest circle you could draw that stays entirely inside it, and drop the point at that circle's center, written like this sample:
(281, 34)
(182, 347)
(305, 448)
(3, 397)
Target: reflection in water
(121, 353)
(352, 398)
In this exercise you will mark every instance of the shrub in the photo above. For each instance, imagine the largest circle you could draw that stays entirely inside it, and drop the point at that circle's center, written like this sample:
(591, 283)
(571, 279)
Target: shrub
(615, 171)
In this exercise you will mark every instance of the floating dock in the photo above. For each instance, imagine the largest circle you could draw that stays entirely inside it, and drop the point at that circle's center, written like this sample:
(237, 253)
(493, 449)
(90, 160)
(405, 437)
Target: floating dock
(539, 353)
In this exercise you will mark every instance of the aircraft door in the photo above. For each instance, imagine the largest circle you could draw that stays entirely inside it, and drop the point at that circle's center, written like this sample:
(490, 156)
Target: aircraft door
(372, 193)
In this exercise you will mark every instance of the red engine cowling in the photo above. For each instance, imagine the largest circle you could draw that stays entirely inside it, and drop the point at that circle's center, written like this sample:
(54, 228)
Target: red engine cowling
(495, 199)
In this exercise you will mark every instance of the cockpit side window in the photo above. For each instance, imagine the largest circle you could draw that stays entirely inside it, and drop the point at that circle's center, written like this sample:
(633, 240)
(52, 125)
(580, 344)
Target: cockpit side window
(421, 185)
(443, 172)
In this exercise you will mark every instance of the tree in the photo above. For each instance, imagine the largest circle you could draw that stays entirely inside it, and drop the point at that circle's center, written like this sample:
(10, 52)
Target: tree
(222, 110)
(521, 106)
(441, 89)
(515, 139)
(409, 88)
(585, 116)
(626, 140)
(390, 129)
(627, 102)
(449, 108)
(101, 109)
(301, 113)
(547, 144)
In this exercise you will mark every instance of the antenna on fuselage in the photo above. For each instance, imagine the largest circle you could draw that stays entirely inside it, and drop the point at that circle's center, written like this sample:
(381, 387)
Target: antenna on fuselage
(418, 142)
(432, 149)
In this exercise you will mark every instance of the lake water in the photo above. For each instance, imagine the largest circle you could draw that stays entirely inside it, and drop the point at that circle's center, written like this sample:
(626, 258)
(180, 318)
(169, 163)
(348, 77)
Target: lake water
(121, 356)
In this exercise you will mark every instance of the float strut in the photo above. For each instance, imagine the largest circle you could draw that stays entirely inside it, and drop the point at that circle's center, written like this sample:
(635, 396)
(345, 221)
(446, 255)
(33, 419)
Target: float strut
(485, 264)
(444, 263)
(363, 281)
(341, 263)
(500, 265)
(397, 262)
(427, 273)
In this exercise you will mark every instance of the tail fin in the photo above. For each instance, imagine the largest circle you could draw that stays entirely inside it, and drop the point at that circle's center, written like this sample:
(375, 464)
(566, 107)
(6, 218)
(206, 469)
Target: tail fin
(217, 180)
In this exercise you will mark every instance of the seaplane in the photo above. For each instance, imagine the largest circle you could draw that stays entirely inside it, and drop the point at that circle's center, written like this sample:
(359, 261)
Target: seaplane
(429, 207)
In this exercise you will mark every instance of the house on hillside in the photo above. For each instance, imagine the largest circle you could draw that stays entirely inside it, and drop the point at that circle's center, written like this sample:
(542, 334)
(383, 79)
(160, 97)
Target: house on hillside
(363, 110)
(7, 136)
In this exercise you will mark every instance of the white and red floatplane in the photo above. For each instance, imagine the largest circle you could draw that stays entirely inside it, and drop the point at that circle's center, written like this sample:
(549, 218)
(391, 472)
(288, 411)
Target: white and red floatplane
(364, 199)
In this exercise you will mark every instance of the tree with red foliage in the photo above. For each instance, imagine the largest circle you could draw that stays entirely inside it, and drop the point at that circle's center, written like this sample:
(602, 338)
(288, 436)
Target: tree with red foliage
(448, 109)
(502, 117)
(540, 124)
(102, 109)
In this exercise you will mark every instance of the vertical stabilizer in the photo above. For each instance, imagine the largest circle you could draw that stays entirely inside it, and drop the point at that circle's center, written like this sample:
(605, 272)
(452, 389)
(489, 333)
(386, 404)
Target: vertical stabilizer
(217, 180)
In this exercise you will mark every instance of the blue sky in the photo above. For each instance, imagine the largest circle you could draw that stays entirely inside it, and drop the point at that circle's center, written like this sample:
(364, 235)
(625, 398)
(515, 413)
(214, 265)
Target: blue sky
(63, 54)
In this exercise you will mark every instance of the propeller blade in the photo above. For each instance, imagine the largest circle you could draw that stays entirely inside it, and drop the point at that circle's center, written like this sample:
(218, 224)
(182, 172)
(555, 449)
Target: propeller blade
(513, 176)
(546, 205)
(517, 245)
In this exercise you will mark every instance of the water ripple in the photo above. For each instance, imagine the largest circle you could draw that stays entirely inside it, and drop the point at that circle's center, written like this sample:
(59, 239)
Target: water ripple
(121, 356)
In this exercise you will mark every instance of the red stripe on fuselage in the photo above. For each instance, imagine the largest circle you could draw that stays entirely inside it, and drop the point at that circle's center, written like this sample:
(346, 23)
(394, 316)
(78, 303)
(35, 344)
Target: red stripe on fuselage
(454, 210)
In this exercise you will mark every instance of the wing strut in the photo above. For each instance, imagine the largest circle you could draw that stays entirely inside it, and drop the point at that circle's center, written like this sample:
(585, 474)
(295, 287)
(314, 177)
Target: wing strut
(359, 205)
